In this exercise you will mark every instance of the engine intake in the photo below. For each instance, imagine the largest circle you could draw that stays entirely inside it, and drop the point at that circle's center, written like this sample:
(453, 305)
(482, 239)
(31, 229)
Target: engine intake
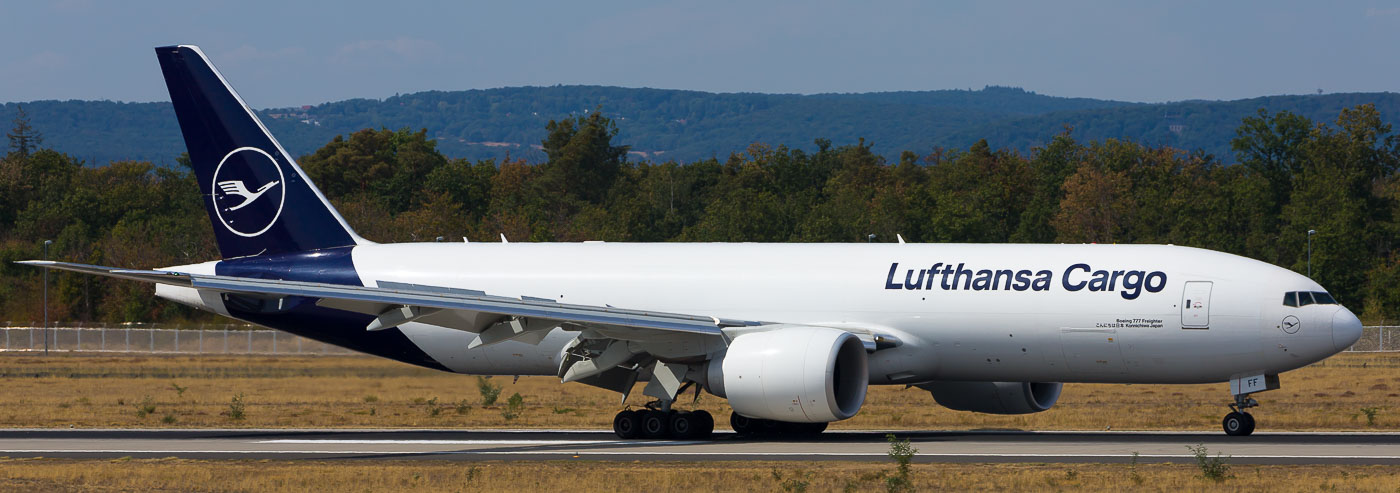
(794, 374)
(995, 397)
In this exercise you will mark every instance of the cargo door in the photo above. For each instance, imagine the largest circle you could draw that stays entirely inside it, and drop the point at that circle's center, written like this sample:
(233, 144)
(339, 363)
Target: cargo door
(1195, 305)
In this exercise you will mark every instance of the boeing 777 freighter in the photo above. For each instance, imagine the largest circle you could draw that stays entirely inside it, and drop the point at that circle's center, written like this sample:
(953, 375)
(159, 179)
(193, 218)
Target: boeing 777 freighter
(790, 334)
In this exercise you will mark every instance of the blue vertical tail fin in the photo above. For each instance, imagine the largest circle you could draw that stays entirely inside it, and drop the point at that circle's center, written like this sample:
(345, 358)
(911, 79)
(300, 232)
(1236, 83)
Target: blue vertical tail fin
(260, 201)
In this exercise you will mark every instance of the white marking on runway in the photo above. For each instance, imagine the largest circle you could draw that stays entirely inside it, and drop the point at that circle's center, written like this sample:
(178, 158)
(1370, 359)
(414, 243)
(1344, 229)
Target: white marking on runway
(454, 442)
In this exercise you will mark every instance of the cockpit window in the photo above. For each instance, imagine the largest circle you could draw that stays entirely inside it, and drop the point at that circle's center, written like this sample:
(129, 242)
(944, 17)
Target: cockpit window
(1304, 298)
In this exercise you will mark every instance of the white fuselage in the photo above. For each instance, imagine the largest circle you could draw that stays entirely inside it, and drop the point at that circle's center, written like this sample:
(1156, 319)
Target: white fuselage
(1054, 322)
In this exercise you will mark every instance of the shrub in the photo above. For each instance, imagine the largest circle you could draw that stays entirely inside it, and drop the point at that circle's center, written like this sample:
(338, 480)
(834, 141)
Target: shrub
(902, 453)
(513, 407)
(1370, 414)
(235, 407)
(1133, 472)
(1212, 468)
(489, 392)
(797, 483)
(145, 407)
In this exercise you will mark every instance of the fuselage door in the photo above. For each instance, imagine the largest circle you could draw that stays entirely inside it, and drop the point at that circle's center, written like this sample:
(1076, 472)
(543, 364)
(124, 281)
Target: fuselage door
(1195, 305)
(1092, 351)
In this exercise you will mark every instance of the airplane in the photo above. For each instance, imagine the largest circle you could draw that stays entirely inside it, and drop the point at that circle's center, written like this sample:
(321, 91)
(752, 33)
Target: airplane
(791, 335)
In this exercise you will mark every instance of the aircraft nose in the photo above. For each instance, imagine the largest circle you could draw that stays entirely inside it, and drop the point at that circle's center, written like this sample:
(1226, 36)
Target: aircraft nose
(1346, 329)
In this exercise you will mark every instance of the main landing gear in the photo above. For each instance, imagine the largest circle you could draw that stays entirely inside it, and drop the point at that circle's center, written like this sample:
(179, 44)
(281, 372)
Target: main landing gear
(1240, 423)
(699, 425)
(655, 423)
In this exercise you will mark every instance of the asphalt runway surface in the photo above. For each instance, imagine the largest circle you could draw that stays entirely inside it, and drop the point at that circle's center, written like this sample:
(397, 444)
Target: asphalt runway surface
(478, 445)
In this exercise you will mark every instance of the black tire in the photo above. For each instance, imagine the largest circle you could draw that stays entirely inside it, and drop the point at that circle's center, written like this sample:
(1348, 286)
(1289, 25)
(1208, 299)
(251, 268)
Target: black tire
(705, 423)
(626, 425)
(770, 427)
(801, 429)
(743, 425)
(1248, 424)
(684, 426)
(656, 424)
(1235, 424)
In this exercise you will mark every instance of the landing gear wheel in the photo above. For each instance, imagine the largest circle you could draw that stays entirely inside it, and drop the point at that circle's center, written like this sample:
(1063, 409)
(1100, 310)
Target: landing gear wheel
(655, 424)
(770, 427)
(684, 426)
(626, 425)
(704, 423)
(800, 429)
(743, 425)
(1238, 424)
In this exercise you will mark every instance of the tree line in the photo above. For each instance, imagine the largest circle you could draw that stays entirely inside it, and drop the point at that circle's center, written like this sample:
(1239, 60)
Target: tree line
(1294, 175)
(687, 126)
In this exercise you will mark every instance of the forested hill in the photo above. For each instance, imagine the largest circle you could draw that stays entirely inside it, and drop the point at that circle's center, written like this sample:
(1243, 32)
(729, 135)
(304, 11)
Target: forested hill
(665, 125)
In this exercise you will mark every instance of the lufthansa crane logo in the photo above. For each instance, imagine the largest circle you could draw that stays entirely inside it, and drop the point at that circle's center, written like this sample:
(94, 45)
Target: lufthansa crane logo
(249, 191)
(236, 187)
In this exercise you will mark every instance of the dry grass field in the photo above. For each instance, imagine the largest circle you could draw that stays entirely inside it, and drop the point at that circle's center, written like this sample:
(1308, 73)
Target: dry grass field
(584, 476)
(350, 391)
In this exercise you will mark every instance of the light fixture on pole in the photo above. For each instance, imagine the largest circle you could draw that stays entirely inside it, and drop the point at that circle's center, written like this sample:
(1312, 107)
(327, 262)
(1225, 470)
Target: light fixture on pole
(46, 298)
(1311, 232)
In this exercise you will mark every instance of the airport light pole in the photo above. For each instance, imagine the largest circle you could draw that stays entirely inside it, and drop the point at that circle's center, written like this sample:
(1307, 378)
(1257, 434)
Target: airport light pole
(46, 298)
(1311, 232)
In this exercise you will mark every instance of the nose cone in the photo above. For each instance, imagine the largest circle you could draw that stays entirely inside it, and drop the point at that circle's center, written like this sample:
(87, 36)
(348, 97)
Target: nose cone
(1346, 329)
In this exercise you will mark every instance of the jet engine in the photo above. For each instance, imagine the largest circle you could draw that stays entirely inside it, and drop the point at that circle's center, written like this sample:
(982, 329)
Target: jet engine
(994, 397)
(793, 374)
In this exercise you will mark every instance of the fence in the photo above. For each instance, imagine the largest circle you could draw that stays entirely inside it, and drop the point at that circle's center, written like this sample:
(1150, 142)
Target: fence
(1378, 338)
(240, 339)
(228, 340)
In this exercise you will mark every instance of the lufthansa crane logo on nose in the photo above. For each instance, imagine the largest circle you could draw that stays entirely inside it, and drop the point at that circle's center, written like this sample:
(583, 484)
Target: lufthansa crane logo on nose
(249, 191)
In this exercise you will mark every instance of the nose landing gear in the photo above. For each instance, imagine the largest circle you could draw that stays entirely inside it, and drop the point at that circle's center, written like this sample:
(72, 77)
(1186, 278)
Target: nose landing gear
(1239, 422)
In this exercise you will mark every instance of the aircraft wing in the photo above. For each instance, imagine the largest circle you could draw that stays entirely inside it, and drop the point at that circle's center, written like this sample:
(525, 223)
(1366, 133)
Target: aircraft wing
(614, 348)
(495, 318)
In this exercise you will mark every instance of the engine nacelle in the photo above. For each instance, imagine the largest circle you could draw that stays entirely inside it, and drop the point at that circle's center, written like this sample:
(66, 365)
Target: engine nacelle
(795, 374)
(995, 397)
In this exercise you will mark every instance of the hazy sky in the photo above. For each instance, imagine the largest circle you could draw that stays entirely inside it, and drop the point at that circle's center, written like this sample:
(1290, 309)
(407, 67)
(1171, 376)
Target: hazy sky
(287, 53)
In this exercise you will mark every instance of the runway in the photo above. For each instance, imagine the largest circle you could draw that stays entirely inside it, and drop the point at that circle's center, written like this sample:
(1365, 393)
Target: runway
(479, 445)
